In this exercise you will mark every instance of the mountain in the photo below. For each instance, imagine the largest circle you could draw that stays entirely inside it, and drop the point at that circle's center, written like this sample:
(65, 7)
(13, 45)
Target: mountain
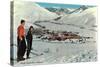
(67, 10)
(79, 10)
(31, 12)
(86, 17)
(83, 23)
(60, 11)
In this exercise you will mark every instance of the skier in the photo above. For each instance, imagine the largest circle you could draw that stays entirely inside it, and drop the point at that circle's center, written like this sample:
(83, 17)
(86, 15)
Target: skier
(29, 41)
(21, 47)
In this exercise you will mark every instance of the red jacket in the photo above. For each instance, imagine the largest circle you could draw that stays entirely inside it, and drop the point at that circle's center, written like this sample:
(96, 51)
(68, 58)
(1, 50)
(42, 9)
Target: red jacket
(21, 31)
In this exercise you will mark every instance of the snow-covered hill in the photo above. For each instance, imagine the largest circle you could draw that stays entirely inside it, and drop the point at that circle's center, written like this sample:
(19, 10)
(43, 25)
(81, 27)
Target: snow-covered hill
(30, 12)
(80, 17)
(87, 17)
(68, 10)
(76, 22)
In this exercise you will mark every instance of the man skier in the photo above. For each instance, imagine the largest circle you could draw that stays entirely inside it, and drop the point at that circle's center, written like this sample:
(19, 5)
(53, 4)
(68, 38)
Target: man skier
(21, 47)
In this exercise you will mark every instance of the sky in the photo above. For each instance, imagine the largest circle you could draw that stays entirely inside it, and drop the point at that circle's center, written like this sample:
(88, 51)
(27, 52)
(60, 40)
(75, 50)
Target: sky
(58, 5)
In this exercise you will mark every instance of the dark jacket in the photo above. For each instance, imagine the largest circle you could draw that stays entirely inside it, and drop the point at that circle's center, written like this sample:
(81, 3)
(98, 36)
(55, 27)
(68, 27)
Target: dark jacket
(29, 37)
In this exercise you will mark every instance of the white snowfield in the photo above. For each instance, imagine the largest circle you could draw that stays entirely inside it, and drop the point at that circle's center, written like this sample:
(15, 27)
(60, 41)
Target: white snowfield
(60, 53)
(86, 17)
(57, 52)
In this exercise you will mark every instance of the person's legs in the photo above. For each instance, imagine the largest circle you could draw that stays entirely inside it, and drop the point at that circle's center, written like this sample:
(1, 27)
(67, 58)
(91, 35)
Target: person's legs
(31, 45)
(19, 49)
(28, 52)
(23, 47)
(28, 49)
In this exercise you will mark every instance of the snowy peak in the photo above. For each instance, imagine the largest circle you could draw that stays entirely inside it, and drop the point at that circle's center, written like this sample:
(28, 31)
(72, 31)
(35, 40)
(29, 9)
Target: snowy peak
(86, 17)
(67, 10)
(32, 11)
(79, 10)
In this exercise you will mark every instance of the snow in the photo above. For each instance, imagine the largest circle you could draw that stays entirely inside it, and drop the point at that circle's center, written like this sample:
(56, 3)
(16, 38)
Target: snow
(57, 51)
(75, 22)
(61, 52)
(87, 17)
(30, 12)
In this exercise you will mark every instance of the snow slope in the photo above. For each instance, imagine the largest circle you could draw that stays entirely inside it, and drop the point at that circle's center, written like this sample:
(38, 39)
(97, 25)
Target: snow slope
(87, 17)
(61, 52)
(76, 22)
(31, 12)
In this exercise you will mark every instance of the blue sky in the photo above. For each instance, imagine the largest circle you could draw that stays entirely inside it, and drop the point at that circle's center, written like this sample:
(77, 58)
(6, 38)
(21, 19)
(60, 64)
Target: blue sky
(58, 5)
